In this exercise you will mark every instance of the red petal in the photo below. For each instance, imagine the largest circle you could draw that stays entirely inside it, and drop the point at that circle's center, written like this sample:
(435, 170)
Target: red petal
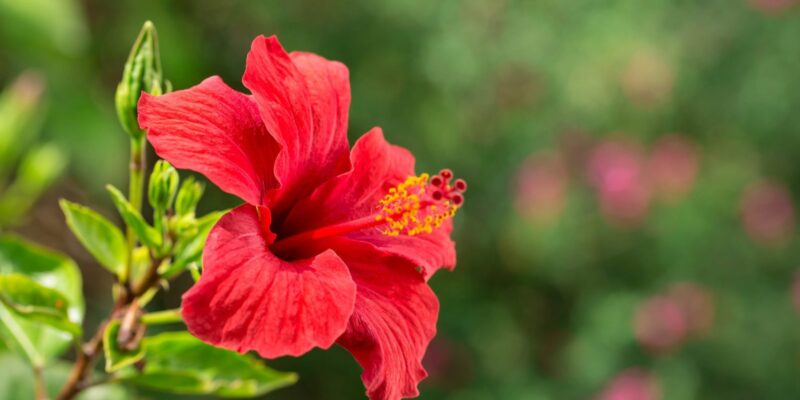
(393, 322)
(216, 131)
(248, 299)
(430, 251)
(304, 101)
(377, 167)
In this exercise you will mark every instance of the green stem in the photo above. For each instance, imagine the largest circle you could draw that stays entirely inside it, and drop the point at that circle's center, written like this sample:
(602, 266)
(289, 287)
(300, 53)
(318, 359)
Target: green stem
(135, 193)
(163, 317)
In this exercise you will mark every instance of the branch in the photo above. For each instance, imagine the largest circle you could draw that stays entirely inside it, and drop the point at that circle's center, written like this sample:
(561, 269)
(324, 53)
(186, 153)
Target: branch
(79, 377)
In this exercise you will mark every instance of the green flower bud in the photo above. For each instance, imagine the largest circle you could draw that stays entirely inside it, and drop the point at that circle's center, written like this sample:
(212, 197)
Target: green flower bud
(142, 73)
(188, 197)
(163, 185)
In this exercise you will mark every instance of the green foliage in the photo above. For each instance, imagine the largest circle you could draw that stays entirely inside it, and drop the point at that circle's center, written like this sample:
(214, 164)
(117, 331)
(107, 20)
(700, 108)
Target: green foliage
(146, 233)
(190, 248)
(98, 235)
(51, 270)
(16, 382)
(177, 362)
(20, 105)
(34, 302)
(38, 170)
(117, 357)
(40, 165)
(49, 25)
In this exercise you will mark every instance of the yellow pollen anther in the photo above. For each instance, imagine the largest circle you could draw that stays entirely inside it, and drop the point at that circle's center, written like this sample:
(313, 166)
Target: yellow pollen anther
(407, 209)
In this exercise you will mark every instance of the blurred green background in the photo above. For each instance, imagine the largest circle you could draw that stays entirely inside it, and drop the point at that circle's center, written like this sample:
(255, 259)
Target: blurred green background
(630, 228)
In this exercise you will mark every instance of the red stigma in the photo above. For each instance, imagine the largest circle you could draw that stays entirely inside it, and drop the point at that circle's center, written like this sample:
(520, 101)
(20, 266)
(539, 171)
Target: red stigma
(444, 190)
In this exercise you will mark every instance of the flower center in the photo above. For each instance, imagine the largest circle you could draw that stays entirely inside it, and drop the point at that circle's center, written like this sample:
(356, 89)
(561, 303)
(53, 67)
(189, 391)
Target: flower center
(418, 205)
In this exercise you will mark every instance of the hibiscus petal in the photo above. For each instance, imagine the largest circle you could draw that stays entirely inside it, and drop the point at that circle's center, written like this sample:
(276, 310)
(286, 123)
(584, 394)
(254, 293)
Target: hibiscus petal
(216, 131)
(393, 322)
(377, 167)
(249, 299)
(430, 251)
(304, 101)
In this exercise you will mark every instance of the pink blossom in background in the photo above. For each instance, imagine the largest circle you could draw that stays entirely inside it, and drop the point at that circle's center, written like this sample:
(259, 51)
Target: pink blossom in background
(672, 167)
(767, 212)
(616, 171)
(697, 304)
(660, 324)
(541, 188)
(632, 384)
(772, 6)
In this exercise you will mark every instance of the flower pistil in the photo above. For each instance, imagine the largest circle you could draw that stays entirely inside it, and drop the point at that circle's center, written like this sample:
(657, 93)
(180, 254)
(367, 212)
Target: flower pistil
(418, 205)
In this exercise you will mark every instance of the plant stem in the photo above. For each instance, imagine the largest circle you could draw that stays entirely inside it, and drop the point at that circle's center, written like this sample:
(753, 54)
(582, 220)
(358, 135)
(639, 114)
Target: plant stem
(149, 280)
(162, 317)
(135, 193)
(79, 375)
(78, 379)
(39, 384)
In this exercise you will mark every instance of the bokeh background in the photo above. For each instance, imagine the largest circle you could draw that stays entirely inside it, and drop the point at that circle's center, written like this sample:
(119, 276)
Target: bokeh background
(630, 228)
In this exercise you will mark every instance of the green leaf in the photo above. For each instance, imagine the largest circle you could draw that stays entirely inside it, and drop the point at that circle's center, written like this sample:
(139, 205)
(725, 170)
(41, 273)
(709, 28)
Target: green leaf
(50, 270)
(190, 249)
(103, 240)
(26, 298)
(146, 233)
(178, 362)
(140, 263)
(16, 382)
(116, 358)
(40, 167)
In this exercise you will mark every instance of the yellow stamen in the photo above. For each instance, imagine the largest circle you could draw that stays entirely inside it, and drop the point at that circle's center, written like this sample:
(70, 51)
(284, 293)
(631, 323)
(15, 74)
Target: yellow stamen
(408, 211)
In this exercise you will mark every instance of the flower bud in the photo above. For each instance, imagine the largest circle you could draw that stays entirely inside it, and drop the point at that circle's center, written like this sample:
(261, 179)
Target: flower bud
(188, 197)
(163, 185)
(142, 73)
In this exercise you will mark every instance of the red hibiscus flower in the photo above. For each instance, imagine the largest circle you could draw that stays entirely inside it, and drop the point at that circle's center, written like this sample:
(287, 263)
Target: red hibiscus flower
(329, 247)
